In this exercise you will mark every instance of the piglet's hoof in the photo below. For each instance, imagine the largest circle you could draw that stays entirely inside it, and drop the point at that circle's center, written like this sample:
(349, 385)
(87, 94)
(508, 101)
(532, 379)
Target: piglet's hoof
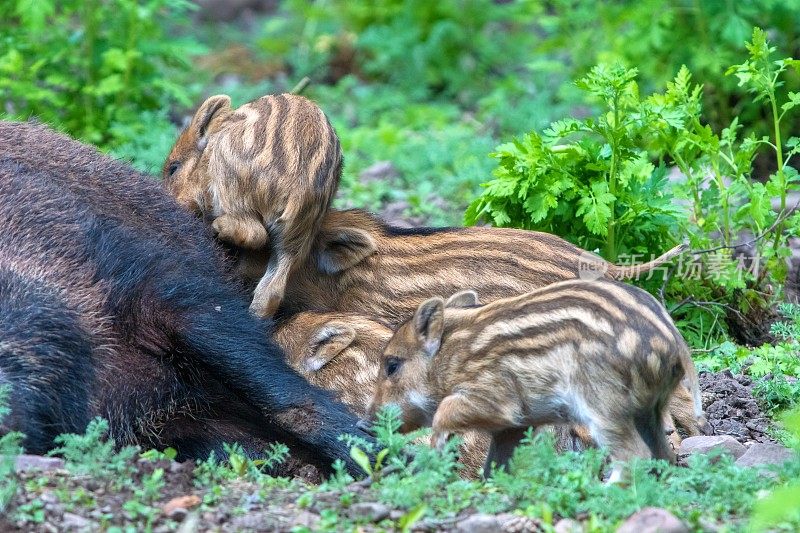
(439, 439)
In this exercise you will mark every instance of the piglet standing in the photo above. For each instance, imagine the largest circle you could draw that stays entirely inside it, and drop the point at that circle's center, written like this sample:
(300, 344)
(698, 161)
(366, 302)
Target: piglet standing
(596, 353)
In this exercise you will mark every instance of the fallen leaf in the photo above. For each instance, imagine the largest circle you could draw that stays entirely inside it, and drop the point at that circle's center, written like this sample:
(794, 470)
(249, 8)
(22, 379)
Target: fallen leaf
(181, 502)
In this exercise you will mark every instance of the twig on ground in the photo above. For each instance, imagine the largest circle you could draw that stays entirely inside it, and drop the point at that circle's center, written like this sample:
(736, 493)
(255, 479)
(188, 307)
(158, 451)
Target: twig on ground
(781, 217)
(369, 480)
(692, 301)
(301, 85)
(663, 288)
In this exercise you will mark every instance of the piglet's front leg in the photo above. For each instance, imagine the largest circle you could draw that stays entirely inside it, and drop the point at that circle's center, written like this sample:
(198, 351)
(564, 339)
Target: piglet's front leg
(461, 412)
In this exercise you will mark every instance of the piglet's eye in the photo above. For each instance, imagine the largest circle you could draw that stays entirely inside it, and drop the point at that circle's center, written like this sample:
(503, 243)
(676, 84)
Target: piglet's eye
(392, 366)
(173, 167)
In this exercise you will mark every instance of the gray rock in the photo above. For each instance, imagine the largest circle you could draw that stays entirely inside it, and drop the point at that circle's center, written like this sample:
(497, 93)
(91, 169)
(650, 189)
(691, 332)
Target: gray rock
(761, 455)
(307, 519)
(512, 523)
(73, 522)
(258, 521)
(49, 497)
(178, 514)
(190, 523)
(704, 444)
(479, 523)
(394, 214)
(26, 463)
(568, 525)
(374, 512)
(653, 520)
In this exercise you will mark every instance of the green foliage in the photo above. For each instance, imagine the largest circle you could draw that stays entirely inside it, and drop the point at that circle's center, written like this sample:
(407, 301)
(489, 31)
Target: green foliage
(418, 46)
(141, 506)
(93, 67)
(545, 484)
(782, 506)
(92, 454)
(726, 202)
(601, 182)
(761, 75)
(658, 36)
(9, 449)
(590, 181)
(146, 141)
(239, 465)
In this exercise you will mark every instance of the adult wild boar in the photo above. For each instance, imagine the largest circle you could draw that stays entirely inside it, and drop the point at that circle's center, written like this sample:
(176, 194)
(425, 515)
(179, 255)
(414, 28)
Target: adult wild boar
(114, 302)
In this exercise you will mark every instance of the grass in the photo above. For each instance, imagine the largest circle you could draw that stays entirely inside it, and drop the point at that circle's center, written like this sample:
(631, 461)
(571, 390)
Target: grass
(437, 140)
(121, 489)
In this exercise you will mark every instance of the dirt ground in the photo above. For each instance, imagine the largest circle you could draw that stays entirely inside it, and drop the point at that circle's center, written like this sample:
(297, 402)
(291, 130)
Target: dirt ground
(243, 506)
(731, 408)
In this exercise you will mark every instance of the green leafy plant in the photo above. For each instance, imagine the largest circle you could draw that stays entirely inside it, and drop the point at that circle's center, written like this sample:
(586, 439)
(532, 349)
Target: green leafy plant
(9, 449)
(761, 75)
(239, 465)
(782, 506)
(93, 67)
(141, 506)
(601, 182)
(544, 484)
(92, 454)
(658, 36)
(726, 203)
(590, 181)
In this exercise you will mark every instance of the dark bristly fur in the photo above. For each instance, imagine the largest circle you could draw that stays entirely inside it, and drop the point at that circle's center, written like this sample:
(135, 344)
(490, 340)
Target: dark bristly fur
(114, 302)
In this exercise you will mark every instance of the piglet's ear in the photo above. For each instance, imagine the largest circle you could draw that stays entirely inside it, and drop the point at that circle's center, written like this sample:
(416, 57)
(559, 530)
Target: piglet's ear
(209, 116)
(428, 325)
(328, 342)
(463, 299)
(343, 248)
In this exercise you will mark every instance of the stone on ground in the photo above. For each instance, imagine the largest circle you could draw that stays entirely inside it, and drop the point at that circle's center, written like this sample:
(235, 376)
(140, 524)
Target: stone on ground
(653, 520)
(705, 444)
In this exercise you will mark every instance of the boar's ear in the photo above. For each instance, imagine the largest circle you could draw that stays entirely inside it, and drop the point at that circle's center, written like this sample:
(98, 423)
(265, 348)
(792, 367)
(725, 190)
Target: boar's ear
(328, 342)
(463, 299)
(210, 114)
(428, 324)
(343, 248)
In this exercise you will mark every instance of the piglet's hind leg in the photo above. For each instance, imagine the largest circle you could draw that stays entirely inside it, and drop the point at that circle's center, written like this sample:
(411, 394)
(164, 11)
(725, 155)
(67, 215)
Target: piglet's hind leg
(502, 448)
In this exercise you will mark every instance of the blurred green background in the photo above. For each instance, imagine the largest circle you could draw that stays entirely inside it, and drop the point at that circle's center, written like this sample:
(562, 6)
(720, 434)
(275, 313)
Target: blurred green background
(423, 89)
(568, 116)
